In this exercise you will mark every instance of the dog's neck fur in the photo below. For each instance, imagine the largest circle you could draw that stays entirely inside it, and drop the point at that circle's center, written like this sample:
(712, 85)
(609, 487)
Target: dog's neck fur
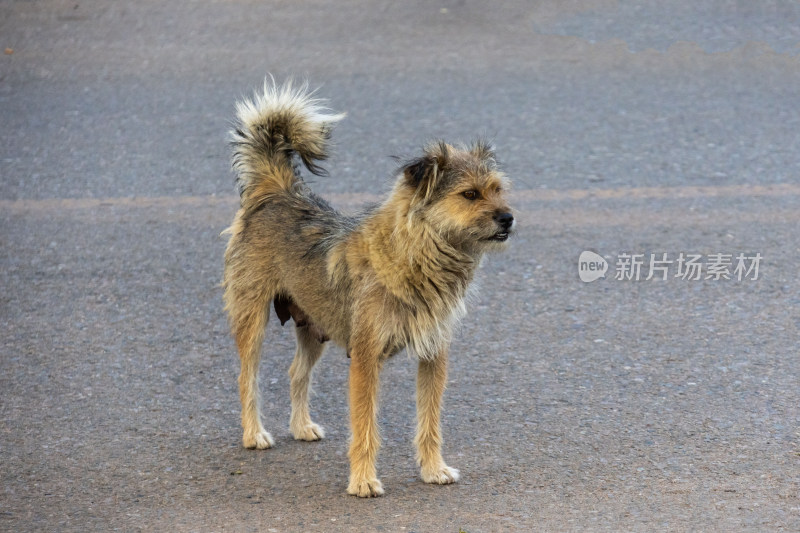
(415, 263)
(425, 278)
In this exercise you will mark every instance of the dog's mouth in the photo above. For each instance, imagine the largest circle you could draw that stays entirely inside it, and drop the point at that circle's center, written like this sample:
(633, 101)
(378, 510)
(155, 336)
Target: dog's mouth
(500, 236)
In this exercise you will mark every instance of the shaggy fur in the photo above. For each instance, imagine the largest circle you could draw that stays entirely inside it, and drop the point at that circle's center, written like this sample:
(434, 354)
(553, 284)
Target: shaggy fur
(393, 277)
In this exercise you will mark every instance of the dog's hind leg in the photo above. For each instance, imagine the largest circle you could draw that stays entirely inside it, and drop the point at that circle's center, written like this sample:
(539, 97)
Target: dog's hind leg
(309, 350)
(248, 320)
(431, 381)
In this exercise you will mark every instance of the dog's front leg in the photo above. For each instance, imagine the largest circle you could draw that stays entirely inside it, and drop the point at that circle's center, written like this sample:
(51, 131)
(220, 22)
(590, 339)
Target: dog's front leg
(365, 366)
(431, 382)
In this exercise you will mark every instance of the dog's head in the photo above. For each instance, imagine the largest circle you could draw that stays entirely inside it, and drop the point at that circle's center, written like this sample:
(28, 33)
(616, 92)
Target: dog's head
(460, 194)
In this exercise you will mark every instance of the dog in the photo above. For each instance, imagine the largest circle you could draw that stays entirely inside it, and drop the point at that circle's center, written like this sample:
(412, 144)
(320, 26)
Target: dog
(395, 276)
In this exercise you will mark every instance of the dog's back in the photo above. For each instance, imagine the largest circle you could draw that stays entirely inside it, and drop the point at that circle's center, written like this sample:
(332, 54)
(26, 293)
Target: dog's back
(282, 228)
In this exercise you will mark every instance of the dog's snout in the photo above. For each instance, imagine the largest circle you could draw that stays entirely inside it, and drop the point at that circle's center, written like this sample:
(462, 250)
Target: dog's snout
(505, 219)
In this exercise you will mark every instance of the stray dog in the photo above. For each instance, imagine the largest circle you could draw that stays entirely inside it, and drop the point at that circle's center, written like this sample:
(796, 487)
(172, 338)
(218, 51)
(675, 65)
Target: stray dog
(393, 277)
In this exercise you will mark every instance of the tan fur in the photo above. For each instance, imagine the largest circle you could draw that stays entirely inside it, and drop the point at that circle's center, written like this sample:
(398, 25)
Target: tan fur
(395, 277)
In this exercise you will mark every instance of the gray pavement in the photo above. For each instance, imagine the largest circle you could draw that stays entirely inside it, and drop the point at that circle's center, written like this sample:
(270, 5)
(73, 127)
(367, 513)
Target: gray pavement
(616, 405)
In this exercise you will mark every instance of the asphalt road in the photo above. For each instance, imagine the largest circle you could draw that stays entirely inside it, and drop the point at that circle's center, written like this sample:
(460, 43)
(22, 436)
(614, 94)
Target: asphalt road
(629, 129)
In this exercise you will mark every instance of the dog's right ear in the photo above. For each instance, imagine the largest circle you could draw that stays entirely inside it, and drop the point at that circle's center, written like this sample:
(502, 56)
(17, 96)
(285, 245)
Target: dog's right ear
(484, 151)
(423, 173)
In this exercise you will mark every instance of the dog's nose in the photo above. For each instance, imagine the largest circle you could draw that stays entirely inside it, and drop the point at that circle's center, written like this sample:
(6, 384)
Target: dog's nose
(504, 219)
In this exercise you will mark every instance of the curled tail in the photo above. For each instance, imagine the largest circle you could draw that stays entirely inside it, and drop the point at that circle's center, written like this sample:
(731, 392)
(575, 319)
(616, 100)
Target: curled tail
(271, 128)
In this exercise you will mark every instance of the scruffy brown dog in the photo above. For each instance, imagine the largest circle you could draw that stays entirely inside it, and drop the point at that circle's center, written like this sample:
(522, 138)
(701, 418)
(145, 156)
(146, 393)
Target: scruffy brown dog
(394, 277)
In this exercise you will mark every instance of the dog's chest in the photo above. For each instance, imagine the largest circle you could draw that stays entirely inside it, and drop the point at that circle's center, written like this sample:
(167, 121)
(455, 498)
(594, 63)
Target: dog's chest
(426, 330)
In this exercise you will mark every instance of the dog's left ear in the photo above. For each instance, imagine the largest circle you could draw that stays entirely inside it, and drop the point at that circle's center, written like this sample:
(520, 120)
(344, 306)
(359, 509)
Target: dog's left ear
(423, 173)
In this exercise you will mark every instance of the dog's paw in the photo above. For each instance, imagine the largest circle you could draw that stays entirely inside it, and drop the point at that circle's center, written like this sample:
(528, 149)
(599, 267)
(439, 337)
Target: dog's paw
(309, 432)
(365, 488)
(260, 440)
(441, 475)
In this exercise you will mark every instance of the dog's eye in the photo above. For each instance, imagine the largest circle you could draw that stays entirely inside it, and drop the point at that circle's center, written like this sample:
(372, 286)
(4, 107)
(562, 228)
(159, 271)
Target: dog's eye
(470, 195)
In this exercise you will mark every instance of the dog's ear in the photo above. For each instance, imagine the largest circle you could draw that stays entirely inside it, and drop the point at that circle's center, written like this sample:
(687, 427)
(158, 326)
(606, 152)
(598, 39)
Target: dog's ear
(484, 151)
(418, 170)
(423, 173)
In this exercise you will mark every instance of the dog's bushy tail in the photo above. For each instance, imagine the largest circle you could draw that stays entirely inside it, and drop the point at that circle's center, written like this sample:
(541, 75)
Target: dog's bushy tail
(277, 123)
